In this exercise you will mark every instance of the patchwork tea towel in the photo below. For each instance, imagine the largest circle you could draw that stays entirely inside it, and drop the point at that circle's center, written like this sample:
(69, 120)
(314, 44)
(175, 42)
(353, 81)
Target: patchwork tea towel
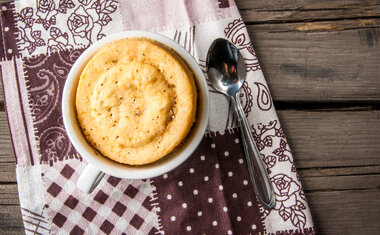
(210, 193)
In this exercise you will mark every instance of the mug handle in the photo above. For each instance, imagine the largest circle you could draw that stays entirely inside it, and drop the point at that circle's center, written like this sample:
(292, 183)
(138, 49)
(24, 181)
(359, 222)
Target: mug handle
(89, 178)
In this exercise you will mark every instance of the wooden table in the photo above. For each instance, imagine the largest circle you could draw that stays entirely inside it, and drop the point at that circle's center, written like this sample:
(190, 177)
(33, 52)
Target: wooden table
(321, 60)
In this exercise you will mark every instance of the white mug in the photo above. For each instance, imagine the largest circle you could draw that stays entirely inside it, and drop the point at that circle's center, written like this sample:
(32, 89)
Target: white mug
(98, 164)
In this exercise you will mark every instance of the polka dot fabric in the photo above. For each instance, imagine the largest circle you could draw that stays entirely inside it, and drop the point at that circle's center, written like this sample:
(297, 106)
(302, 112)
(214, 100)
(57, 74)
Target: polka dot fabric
(211, 193)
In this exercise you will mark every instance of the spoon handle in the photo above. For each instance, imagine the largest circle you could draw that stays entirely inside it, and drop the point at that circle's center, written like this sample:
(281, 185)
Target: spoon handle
(256, 168)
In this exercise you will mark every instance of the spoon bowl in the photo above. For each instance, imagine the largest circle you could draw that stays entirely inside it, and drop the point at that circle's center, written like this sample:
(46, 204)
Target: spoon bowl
(225, 67)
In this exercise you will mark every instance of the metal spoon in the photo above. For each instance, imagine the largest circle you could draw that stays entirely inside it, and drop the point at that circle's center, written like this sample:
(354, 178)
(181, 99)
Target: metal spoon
(226, 72)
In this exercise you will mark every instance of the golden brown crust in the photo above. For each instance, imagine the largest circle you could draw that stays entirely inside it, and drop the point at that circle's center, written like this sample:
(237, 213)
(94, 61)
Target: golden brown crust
(136, 101)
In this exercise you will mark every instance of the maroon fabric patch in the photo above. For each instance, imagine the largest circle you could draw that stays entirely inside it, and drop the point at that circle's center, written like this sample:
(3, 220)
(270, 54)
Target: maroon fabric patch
(101, 197)
(107, 227)
(153, 231)
(59, 219)
(71, 202)
(67, 172)
(136, 221)
(54, 189)
(131, 191)
(147, 203)
(8, 46)
(45, 76)
(119, 209)
(77, 231)
(113, 181)
(223, 3)
(89, 214)
(211, 192)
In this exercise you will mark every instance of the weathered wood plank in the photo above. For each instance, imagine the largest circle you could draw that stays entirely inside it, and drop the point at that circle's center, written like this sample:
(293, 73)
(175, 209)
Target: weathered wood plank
(339, 171)
(346, 212)
(10, 220)
(320, 61)
(333, 139)
(350, 182)
(312, 180)
(6, 150)
(305, 10)
(8, 195)
(317, 139)
(7, 172)
(334, 212)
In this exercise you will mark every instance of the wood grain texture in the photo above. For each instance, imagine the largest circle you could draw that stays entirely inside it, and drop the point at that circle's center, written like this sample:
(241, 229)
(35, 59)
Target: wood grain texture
(306, 10)
(310, 183)
(6, 153)
(319, 162)
(339, 171)
(10, 220)
(332, 139)
(351, 182)
(320, 61)
(9, 195)
(7, 172)
(317, 138)
(334, 211)
(346, 212)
